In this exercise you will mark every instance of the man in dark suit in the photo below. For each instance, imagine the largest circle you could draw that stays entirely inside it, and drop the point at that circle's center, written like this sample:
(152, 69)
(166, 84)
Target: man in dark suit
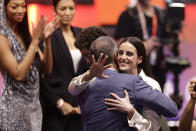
(94, 111)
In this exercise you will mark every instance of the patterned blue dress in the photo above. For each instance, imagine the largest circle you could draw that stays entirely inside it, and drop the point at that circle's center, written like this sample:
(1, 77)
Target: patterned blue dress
(20, 109)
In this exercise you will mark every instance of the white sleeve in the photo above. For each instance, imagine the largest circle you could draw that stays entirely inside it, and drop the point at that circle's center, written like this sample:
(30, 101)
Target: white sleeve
(76, 86)
(140, 123)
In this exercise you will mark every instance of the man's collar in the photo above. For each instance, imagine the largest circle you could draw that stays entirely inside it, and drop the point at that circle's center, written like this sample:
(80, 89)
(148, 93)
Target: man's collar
(111, 68)
(110, 71)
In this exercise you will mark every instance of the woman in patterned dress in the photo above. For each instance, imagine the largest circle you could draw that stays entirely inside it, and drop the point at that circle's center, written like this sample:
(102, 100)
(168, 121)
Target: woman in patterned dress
(21, 60)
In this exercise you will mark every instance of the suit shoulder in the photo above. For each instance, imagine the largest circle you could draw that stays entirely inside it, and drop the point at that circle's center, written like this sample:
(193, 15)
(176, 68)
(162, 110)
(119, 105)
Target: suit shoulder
(127, 13)
(158, 8)
(129, 76)
(124, 13)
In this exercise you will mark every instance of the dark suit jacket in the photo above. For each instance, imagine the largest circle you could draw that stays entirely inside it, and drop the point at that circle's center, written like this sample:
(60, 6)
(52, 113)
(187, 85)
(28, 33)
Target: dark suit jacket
(54, 86)
(94, 111)
(129, 24)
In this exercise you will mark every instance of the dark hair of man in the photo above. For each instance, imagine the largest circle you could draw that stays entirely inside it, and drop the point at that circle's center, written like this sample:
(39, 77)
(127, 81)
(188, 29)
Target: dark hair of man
(141, 51)
(105, 45)
(88, 35)
(55, 2)
(22, 28)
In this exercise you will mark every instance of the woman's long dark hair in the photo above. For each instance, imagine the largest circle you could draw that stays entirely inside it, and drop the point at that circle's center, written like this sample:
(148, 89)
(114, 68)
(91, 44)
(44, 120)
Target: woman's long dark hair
(22, 27)
(141, 51)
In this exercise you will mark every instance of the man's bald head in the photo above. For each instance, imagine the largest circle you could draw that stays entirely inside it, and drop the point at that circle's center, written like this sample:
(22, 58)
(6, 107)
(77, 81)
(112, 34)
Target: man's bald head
(105, 45)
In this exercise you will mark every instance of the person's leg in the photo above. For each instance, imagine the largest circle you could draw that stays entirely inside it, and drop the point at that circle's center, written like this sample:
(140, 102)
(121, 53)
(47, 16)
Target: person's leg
(53, 122)
(74, 123)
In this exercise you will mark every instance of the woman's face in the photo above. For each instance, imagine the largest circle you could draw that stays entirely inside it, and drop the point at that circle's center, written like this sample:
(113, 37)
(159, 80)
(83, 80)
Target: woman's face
(127, 58)
(65, 9)
(16, 10)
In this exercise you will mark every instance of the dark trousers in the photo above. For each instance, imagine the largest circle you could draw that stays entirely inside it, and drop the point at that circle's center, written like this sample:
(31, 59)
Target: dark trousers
(58, 122)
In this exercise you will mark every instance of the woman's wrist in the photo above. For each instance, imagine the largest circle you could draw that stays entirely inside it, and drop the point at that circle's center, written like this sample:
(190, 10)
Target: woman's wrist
(35, 42)
(33, 48)
(59, 103)
(47, 45)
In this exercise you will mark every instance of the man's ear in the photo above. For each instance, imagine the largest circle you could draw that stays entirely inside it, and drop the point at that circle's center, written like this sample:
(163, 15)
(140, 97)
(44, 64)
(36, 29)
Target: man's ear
(140, 59)
(116, 54)
(115, 62)
(115, 58)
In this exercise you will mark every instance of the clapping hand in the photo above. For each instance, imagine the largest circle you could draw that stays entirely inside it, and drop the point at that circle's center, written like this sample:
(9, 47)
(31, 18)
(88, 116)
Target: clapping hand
(38, 30)
(191, 90)
(51, 27)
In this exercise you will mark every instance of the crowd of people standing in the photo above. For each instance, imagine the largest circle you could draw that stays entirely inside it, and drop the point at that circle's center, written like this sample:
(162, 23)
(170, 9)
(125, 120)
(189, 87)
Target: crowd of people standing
(43, 73)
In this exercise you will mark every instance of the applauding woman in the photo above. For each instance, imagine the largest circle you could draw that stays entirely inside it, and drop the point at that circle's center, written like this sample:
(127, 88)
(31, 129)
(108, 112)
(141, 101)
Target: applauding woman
(21, 60)
(60, 109)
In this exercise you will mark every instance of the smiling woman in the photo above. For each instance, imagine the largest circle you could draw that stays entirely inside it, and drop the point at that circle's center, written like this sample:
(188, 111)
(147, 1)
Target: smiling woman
(20, 64)
(16, 11)
(128, 59)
